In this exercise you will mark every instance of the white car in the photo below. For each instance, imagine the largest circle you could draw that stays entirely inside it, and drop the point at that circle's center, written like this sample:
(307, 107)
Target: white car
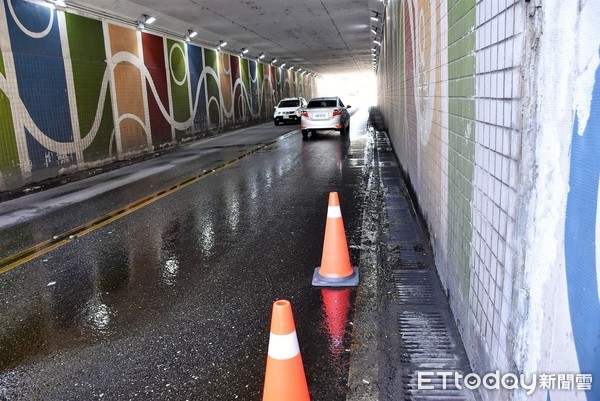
(289, 110)
(325, 113)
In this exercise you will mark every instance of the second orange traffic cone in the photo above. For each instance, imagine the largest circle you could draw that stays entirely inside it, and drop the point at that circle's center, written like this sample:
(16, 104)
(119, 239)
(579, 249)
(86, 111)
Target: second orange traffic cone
(335, 269)
(284, 378)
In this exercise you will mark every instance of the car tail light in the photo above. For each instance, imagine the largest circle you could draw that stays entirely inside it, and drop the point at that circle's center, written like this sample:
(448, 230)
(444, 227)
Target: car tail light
(337, 112)
(305, 114)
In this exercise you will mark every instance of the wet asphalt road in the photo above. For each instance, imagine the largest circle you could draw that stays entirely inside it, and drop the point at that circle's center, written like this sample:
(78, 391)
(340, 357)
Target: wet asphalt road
(172, 301)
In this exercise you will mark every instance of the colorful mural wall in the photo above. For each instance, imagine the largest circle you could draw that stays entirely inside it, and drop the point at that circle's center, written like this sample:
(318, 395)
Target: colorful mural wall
(76, 92)
(582, 239)
(487, 124)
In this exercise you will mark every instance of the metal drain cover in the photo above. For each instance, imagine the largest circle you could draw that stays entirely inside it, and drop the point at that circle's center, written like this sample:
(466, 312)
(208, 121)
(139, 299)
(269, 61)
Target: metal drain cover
(429, 340)
(413, 287)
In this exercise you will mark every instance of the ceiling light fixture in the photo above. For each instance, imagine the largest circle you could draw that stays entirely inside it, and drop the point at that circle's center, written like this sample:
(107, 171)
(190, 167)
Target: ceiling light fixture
(222, 44)
(192, 33)
(261, 56)
(243, 51)
(148, 19)
(377, 42)
(273, 61)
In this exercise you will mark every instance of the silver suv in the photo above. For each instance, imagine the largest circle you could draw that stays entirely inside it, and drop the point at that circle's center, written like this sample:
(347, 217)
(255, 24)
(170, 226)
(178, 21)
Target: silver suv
(289, 110)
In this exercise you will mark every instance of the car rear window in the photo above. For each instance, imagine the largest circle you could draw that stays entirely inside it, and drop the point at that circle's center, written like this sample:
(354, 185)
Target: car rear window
(314, 104)
(288, 103)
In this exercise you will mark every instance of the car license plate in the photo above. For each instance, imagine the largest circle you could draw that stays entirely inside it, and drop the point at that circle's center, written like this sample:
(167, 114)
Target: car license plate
(320, 115)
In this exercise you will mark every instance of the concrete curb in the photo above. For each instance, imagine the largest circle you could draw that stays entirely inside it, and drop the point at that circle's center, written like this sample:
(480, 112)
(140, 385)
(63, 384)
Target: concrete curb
(364, 369)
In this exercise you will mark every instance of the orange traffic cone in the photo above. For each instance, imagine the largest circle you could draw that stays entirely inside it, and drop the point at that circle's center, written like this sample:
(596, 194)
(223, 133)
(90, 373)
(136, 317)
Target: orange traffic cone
(335, 270)
(284, 378)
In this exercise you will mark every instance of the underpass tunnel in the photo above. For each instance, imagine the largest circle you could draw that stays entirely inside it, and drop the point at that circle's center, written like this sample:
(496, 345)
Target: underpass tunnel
(483, 123)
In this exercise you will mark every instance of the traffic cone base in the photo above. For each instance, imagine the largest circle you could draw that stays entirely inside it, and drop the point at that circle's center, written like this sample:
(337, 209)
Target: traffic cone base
(351, 280)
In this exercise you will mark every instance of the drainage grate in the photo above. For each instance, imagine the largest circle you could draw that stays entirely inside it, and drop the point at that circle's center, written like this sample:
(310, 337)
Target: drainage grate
(429, 341)
(389, 175)
(438, 393)
(428, 345)
(413, 287)
(399, 214)
(404, 233)
(388, 158)
(426, 335)
(384, 148)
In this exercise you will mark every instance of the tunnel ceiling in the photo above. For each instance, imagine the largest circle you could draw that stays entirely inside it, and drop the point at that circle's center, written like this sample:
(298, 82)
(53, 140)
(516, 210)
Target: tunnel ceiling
(322, 36)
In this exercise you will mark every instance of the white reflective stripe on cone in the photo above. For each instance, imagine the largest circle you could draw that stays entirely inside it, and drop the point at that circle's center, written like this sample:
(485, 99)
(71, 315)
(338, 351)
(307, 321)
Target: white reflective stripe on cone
(283, 346)
(334, 211)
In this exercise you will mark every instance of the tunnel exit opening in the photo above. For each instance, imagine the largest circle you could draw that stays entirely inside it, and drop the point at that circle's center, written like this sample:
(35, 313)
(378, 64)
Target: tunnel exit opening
(359, 89)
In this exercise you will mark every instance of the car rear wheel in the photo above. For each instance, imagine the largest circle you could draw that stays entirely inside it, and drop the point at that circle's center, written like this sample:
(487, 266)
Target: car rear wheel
(304, 133)
(276, 122)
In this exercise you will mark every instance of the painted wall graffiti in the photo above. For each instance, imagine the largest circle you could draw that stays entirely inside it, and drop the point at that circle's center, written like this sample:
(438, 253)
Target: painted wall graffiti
(76, 92)
(582, 241)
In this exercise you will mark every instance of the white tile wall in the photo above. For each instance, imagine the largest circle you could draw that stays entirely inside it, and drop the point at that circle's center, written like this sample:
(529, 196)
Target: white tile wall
(499, 42)
(497, 141)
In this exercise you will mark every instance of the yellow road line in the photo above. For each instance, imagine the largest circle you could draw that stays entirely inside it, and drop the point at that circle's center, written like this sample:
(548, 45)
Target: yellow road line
(57, 241)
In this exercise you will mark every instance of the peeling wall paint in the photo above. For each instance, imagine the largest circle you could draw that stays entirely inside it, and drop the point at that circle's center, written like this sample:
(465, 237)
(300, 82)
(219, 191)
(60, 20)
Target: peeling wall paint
(566, 338)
